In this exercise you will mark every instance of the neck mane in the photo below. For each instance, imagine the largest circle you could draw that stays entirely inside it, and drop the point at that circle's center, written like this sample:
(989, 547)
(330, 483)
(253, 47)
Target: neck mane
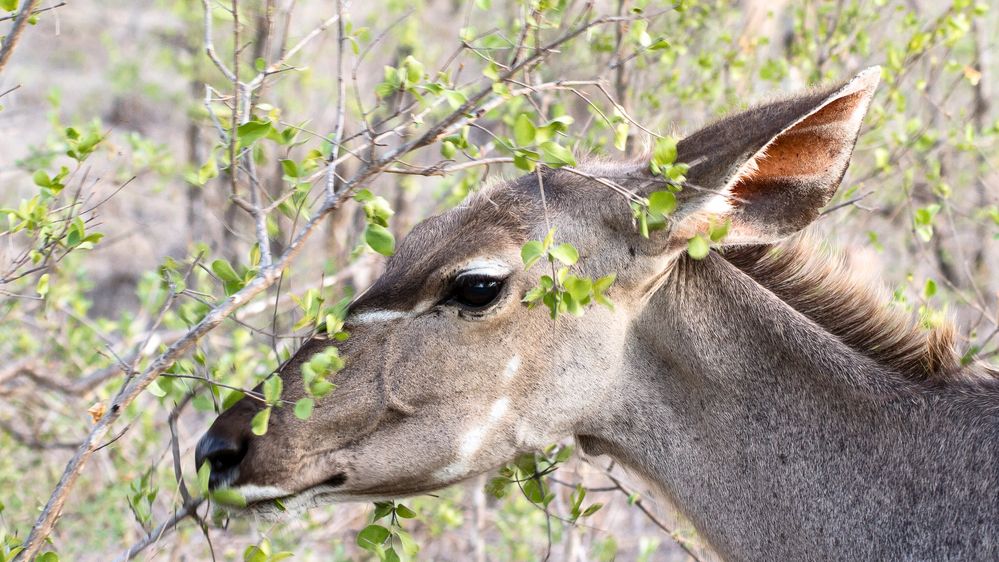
(824, 287)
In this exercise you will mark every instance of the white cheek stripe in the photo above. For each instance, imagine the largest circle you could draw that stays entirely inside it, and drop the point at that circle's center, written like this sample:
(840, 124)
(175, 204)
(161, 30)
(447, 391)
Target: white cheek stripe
(376, 316)
(511, 367)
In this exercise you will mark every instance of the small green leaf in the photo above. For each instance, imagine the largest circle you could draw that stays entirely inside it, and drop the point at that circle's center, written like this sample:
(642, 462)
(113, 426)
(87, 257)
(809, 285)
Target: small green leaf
(523, 130)
(930, 288)
(621, 136)
(42, 287)
(592, 509)
(719, 231)
(664, 152)
(565, 253)
(557, 155)
(229, 496)
(204, 474)
(225, 271)
(405, 512)
(531, 252)
(290, 168)
(303, 408)
(697, 247)
(272, 389)
(372, 536)
(448, 149)
(380, 239)
(252, 131)
(409, 545)
(662, 202)
(259, 423)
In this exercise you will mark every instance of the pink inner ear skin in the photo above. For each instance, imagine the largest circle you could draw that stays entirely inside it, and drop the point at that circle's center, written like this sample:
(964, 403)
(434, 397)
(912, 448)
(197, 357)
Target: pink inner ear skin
(819, 145)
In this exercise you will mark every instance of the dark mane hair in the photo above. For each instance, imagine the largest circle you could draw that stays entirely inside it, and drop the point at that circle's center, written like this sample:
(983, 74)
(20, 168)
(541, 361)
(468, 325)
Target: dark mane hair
(823, 286)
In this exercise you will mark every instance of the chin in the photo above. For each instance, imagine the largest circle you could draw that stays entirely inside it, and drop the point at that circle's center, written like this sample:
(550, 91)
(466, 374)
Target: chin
(272, 503)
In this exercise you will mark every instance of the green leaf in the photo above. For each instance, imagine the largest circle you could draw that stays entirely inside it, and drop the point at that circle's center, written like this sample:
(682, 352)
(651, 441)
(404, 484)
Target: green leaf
(303, 408)
(42, 287)
(592, 509)
(697, 247)
(204, 473)
(259, 423)
(272, 389)
(207, 171)
(252, 131)
(565, 253)
(225, 271)
(523, 130)
(290, 168)
(405, 512)
(930, 288)
(379, 239)
(664, 152)
(601, 285)
(41, 179)
(409, 545)
(621, 136)
(719, 231)
(372, 537)
(557, 155)
(523, 162)
(531, 252)
(229, 496)
(455, 98)
(8, 5)
(448, 149)
(662, 202)
(579, 288)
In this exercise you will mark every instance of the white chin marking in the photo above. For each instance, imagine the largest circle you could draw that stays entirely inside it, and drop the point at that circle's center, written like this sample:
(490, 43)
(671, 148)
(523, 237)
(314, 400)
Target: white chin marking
(261, 493)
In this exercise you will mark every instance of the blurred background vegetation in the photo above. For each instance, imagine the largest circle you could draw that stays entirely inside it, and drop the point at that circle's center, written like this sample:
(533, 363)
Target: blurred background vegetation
(122, 225)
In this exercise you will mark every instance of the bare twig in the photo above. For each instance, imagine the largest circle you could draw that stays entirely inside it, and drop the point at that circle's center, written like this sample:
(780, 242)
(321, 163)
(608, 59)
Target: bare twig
(10, 41)
(36, 12)
(189, 509)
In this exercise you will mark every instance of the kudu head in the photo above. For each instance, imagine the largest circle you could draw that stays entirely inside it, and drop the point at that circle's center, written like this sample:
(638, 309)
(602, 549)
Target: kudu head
(448, 374)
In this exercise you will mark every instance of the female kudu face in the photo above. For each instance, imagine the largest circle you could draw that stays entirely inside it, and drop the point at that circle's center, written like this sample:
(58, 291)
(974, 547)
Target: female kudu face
(447, 373)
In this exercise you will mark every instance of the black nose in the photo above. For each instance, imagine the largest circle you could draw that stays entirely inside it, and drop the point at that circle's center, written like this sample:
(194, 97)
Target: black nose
(223, 454)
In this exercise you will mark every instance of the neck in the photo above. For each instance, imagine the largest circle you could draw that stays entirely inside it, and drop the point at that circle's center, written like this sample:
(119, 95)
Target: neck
(776, 438)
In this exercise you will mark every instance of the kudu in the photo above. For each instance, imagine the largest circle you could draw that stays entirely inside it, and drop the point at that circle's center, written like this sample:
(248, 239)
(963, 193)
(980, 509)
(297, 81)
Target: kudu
(775, 398)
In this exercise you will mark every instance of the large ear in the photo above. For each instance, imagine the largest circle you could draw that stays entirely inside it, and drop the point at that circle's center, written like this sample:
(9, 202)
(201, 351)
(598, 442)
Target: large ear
(774, 166)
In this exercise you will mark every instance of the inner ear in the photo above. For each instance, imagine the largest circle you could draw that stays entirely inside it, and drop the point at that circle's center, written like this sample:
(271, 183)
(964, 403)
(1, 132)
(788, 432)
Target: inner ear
(797, 173)
(782, 186)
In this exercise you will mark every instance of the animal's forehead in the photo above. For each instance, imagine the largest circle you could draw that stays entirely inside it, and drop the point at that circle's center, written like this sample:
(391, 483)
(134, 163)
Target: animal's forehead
(488, 225)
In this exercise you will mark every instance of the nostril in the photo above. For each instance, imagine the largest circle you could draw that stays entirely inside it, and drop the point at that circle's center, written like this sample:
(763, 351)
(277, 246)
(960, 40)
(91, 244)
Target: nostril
(223, 455)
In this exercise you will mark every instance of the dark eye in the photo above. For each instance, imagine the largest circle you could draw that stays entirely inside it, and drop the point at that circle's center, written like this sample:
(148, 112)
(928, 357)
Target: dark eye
(476, 291)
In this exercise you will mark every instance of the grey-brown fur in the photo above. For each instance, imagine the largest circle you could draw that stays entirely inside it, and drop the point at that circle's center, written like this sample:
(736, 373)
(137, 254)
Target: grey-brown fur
(773, 399)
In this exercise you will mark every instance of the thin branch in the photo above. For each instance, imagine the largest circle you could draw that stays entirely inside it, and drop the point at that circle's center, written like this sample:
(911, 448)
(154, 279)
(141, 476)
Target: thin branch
(341, 88)
(186, 511)
(36, 12)
(210, 44)
(10, 41)
(680, 541)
